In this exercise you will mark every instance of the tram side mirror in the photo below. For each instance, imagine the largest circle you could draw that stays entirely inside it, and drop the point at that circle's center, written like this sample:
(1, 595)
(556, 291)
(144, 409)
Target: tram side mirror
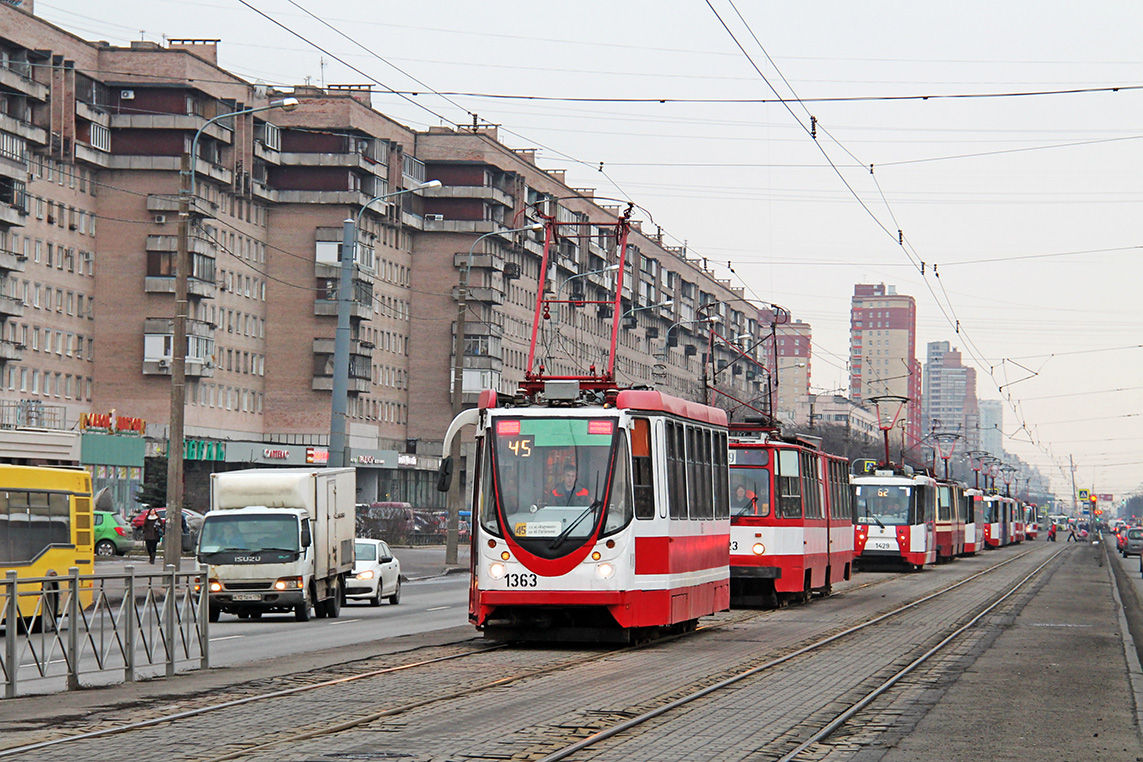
(444, 475)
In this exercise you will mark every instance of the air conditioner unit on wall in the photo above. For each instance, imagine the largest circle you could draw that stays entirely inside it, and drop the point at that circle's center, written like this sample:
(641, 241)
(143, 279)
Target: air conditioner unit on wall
(434, 217)
(160, 219)
(164, 364)
(126, 95)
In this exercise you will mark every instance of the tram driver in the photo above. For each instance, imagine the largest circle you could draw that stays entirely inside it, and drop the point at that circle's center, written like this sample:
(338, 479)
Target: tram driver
(745, 501)
(568, 491)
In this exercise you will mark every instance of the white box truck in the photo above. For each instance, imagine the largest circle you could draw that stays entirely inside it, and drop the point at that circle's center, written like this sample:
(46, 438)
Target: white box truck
(279, 540)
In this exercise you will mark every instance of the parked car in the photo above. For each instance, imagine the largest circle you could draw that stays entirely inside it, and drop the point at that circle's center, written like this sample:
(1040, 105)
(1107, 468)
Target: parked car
(112, 535)
(192, 525)
(376, 573)
(1134, 546)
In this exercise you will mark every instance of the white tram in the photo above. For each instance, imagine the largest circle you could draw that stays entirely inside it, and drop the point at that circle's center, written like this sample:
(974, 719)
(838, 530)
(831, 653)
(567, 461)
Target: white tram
(894, 515)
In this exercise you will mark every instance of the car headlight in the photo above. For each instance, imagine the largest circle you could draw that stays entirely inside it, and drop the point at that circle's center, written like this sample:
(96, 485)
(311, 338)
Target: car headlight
(367, 574)
(604, 570)
(496, 570)
(288, 583)
(215, 586)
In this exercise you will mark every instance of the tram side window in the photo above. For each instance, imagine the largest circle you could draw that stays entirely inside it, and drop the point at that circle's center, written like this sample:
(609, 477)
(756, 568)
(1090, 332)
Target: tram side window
(619, 500)
(642, 476)
(944, 508)
(703, 506)
(811, 485)
(486, 503)
(721, 477)
(922, 506)
(789, 485)
(676, 464)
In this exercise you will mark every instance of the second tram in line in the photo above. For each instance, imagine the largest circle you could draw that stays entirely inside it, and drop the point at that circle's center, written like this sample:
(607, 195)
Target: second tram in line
(791, 530)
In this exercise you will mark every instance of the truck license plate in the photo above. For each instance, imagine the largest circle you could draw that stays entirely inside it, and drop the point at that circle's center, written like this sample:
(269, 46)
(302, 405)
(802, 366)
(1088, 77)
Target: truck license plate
(247, 597)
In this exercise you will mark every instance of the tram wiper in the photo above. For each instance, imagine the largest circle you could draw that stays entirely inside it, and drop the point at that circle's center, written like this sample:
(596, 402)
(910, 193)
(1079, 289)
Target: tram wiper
(875, 519)
(558, 541)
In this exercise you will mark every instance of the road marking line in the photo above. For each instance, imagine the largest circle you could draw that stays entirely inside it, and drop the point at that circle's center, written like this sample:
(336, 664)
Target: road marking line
(439, 608)
(343, 621)
(228, 637)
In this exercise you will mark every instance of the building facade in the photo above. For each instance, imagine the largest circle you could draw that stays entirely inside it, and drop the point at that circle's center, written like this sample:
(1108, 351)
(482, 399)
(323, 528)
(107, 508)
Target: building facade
(949, 397)
(883, 356)
(92, 142)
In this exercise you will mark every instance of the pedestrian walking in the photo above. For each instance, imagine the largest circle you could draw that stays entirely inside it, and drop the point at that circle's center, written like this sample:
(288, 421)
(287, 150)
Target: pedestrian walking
(1072, 533)
(1052, 532)
(152, 532)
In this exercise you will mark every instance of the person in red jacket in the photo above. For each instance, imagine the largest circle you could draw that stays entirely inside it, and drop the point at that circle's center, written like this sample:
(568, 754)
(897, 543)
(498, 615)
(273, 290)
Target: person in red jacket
(568, 492)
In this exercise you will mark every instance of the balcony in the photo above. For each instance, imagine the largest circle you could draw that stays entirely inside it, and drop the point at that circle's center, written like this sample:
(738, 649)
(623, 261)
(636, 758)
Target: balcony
(11, 261)
(355, 197)
(266, 154)
(89, 155)
(165, 284)
(357, 347)
(479, 261)
(348, 160)
(483, 294)
(92, 113)
(10, 307)
(26, 130)
(357, 310)
(158, 332)
(11, 215)
(186, 122)
(356, 385)
(10, 351)
(484, 192)
(21, 84)
(171, 164)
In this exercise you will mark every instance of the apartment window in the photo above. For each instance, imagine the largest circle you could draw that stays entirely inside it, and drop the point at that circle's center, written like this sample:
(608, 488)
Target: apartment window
(35, 339)
(51, 256)
(79, 347)
(23, 379)
(35, 382)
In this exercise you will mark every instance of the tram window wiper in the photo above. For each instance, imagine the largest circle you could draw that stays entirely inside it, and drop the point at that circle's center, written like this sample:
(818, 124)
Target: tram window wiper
(558, 541)
(871, 515)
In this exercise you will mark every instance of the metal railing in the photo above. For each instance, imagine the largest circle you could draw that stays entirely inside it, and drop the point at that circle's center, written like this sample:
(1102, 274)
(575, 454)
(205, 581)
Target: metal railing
(133, 624)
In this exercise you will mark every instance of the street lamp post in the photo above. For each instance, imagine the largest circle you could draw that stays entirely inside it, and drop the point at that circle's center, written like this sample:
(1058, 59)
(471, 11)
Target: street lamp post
(340, 395)
(172, 547)
(456, 493)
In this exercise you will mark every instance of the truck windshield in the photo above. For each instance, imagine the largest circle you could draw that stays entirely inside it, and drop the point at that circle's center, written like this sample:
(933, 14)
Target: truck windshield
(552, 479)
(882, 504)
(248, 533)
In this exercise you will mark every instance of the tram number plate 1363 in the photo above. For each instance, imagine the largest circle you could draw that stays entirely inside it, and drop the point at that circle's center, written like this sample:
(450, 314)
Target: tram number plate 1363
(520, 580)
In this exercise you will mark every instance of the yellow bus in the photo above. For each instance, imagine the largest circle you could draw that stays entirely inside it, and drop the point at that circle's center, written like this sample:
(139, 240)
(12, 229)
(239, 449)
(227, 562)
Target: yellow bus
(46, 527)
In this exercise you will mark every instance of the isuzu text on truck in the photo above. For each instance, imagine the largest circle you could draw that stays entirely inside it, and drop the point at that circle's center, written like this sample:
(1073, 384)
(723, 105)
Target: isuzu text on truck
(279, 540)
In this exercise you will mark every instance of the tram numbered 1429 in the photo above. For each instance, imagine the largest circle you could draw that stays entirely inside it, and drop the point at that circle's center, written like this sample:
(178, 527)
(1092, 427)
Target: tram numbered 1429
(597, 516)
(894, 514)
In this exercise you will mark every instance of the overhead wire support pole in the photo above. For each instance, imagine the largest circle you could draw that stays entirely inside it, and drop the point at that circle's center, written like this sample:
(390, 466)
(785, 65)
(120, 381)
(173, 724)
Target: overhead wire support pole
(172, 544)
(339, 403)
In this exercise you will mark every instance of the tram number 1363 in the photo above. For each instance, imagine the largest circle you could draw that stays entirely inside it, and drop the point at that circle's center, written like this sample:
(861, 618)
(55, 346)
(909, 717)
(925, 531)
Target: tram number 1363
(520, 580)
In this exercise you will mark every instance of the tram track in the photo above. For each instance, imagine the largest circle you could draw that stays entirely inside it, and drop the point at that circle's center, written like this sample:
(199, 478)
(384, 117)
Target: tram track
(831, 727)
(364, 718)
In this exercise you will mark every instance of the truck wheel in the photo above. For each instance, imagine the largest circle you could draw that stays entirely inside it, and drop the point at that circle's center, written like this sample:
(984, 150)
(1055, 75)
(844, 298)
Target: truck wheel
(333, 604)
(302, 610)
(213, 613)
(395, 598)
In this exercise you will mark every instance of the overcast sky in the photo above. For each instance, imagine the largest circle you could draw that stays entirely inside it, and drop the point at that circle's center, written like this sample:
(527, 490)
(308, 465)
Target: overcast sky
(1023, 208)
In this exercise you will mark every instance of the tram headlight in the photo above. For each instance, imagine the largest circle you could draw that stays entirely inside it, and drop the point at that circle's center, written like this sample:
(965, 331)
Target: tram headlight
(496, 570)
(604, 570)
(596, 555)
(758, 548)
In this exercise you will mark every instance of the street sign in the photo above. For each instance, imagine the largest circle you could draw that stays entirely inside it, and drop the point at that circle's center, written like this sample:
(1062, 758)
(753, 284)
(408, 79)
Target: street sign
(1083, 494)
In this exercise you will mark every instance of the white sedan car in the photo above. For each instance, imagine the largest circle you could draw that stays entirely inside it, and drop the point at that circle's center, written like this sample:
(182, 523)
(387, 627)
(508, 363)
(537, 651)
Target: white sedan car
(376, 574)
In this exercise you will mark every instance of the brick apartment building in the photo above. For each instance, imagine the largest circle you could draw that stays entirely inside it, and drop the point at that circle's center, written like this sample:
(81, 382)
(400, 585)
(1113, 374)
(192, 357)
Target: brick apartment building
(91, 140)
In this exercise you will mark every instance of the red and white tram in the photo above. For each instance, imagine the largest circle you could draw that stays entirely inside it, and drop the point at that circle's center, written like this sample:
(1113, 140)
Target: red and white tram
(1031, 522)
(894, 514)
(791, 527)
(595, 521)
(1000, 521)
(950, 522)
(973, 521)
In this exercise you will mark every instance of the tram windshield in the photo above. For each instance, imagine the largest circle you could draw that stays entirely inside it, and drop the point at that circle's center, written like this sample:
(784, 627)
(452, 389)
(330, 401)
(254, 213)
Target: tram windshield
(883, 504)
(750, 482)
(552, 480)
